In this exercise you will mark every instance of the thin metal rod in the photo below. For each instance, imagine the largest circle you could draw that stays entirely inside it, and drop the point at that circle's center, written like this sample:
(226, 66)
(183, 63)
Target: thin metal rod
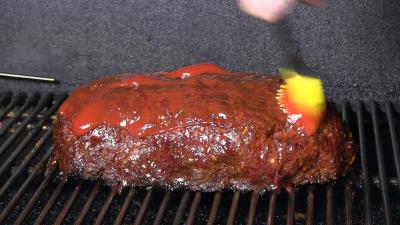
(348, 203)
(233, 209)
(28, 77)
(28, 138)
(393, 136)
(14, 102)
(105, 207)
(381, 166)
(20, 192)
(142, 210)
(34, 198)
(253, 208)
(329, 205)
(214, 208)
(271, 208)
(67, 206)
(4, 98)
(30, 101)
(194, 208)
(310, 205)
(181, 208)
(39, 143)
(363, 157)
(88, 204)
(291, 207)
(42, 103)
(51, 202)
(25, 162)
(163, 208)
(125, 205)
(31, 176)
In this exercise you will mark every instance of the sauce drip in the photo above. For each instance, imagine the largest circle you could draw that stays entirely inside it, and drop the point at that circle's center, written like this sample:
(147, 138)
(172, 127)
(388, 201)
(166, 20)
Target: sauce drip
(153, 104)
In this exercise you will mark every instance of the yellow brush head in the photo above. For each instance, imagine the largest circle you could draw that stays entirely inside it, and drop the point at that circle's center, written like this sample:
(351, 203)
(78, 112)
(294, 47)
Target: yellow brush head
(304, 96)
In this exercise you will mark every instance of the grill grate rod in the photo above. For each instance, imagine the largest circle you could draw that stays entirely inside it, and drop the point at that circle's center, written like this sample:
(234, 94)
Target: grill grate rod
(34, 198)
(88, 203)
(24, 186)
(181, 208)
(163, 208)
(233, 209)
(14, 102)
(347, 188)
(393, 136)
(363, 157)
(67, 206)
(253, 208)
(381, 167)
(194, 208)
(105, 207)
(42, 103)
(329, 205)
(25, 162)
(125, 205)
(271, 208)
(310, 205)
(214, 208)
(291, 207)
(31, 134)
(142, 210)
(4, 98)
(29, 102)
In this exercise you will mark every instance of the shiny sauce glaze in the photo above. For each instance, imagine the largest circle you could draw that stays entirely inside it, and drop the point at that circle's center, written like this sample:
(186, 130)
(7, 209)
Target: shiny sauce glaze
(154, 104)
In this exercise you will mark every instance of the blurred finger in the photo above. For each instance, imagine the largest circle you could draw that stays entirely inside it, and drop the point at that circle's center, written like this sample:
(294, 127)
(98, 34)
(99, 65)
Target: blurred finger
(269, 10)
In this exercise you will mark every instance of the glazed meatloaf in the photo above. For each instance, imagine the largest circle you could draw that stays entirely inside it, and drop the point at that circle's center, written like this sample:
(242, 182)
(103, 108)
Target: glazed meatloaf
(200, 128)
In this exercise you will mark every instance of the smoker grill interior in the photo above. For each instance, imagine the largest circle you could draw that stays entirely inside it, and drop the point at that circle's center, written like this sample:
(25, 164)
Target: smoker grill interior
(370, 195)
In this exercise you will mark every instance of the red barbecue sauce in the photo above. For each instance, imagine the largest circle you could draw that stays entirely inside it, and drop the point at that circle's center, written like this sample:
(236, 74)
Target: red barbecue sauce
(153, 104)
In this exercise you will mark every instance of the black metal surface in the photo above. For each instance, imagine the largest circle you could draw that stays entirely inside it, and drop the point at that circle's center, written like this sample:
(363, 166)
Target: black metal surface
(370, 195)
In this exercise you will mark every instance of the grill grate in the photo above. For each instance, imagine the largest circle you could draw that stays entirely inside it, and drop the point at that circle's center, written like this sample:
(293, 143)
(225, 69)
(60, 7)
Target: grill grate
(28, 196)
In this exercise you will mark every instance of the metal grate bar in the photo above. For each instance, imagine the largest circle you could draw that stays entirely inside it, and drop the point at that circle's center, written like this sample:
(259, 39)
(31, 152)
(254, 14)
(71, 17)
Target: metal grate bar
(348, 203)
(347, 188)
(125, 205)
(67, 206)
(310, 205)
(393, 137)
(329, 205)
(363, 157)
(88, 204)
(22, 189)
(181, 208)
(25, 162)
(194, 208)
(382, 172)
(253, 207)
(105, 207)
(271, 208)
(29, 102)
(163, 208)
(14, 102)
(214, 208)
(233, 209)
(291, 207)
(4, 97)
(51, 202)
(34, 198)
(142, 210)
(42, 103)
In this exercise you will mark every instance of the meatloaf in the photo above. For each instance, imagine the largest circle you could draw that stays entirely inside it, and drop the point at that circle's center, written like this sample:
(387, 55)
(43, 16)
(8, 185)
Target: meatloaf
(200, 128)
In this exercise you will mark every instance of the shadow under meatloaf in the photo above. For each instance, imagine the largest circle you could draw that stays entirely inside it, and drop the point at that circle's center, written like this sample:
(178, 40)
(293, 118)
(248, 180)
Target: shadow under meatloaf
(259, 149)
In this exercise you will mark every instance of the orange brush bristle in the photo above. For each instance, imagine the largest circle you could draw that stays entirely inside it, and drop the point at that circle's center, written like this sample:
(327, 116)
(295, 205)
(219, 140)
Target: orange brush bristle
(302, 96)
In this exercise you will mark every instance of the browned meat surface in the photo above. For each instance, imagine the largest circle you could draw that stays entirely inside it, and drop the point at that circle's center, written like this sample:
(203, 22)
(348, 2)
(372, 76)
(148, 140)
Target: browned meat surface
(208, 131)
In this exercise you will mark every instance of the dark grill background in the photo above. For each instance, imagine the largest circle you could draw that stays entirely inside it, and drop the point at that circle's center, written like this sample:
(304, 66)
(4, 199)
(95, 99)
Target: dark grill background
(27, 196)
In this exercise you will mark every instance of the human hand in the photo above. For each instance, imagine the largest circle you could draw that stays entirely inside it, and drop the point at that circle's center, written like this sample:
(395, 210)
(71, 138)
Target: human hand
(272, 10)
